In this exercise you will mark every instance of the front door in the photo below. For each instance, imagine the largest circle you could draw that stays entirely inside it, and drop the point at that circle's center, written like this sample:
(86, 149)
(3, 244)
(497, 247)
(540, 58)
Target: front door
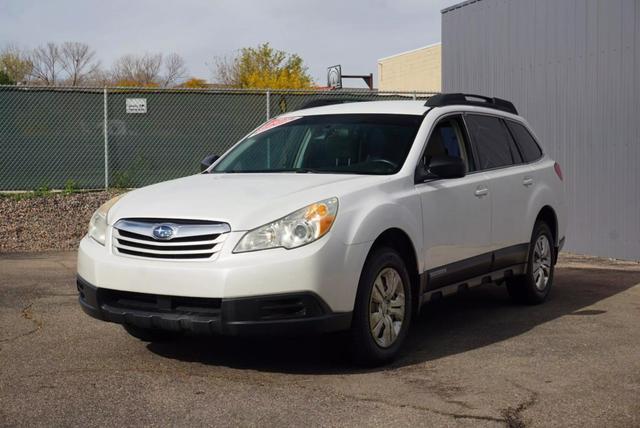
(456, 212)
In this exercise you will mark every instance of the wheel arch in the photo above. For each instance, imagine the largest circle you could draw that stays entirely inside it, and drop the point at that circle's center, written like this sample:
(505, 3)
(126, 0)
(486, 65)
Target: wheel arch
(399, 240)
(548, 215)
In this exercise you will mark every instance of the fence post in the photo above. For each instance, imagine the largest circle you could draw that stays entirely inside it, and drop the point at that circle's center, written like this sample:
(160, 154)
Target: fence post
(268, 105)
(106, 142)
(414, 96)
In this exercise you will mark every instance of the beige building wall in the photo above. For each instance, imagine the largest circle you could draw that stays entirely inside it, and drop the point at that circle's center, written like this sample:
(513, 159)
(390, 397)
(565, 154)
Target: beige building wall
(416, 70)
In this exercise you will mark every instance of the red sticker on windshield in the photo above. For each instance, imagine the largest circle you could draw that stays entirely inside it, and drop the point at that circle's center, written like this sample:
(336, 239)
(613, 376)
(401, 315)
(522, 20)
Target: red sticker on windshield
(273, 123)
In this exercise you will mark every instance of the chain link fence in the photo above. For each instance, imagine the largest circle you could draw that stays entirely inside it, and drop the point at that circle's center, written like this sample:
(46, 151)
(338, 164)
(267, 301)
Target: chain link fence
(93, 138)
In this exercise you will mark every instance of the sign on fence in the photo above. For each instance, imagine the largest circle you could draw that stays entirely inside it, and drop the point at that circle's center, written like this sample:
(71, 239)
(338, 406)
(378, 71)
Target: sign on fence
(136, 105)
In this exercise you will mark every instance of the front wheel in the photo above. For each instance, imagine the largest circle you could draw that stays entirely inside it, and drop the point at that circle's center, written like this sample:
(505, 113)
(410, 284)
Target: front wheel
(533, 287)
(383, 309)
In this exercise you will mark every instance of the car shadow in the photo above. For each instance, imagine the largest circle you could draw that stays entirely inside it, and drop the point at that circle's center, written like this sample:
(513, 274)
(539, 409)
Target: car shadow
(460, 323)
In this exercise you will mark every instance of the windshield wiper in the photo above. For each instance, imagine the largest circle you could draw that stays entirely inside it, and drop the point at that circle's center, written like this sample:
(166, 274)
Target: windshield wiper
(267, 171)
(296, 170)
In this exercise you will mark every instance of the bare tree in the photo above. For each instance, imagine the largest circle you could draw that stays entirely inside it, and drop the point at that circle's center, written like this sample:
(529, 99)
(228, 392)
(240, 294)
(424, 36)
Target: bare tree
(225, 70)
(174, 70)
(98, 77)
(123, 69)
(148, 68)
(16, 63)
(141, 70)
(46, 63)
(77, 59)
(75, 64)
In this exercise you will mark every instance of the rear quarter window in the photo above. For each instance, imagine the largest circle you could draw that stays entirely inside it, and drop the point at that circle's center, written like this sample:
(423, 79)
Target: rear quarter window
(528, 147)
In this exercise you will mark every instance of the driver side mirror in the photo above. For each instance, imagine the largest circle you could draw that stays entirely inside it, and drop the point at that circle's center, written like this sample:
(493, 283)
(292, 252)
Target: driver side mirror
(208, 161)
(441, 166)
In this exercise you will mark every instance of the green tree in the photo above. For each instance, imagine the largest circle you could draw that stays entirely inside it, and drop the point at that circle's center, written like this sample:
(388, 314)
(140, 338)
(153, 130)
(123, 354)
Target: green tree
(5, 79)
(263, 67)
(15, 63)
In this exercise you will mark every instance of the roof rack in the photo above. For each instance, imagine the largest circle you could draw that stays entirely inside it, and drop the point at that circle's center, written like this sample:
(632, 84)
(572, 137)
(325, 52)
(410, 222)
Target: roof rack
(328, 102)
(442, 100)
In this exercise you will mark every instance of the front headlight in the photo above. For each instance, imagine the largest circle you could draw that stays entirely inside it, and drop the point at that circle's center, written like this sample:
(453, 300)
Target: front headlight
(298, 228)
(98, 222)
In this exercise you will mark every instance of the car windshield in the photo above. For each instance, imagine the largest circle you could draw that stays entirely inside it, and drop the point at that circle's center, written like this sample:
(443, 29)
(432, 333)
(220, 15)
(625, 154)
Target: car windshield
(345, 143)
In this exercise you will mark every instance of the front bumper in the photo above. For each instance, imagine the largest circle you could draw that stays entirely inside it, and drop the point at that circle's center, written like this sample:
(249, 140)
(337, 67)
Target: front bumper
(328, 268)
(280, 314)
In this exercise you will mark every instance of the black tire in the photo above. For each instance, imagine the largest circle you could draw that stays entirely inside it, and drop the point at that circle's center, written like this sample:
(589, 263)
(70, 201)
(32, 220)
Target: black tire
(151, 335)
(364, 348)
(524, 289)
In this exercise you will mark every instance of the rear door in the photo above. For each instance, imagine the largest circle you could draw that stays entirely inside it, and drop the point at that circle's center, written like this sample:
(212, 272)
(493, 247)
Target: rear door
(456, 212)
(510, 184)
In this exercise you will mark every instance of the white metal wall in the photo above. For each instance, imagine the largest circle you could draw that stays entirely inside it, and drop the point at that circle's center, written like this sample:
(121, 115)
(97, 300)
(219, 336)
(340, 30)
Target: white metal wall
(572, 68)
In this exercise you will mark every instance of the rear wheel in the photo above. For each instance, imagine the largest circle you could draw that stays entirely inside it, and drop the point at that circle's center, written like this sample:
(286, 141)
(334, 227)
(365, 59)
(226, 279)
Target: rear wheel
(533, 287)
(383, 309)
(151, 335)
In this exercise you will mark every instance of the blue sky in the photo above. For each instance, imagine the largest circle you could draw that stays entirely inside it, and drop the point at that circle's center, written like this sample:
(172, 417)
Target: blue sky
(352, 33)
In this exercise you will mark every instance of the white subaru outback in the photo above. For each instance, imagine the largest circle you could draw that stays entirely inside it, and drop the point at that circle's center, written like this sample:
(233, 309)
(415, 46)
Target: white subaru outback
(340, 217)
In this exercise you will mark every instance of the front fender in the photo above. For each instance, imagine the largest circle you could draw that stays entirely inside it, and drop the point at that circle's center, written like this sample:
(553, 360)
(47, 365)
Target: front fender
(366, 220)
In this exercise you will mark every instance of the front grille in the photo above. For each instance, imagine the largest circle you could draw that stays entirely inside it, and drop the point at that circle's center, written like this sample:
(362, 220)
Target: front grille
(190, 239)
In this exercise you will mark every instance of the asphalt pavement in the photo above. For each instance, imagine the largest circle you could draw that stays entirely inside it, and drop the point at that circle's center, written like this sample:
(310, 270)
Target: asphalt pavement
(471, 360)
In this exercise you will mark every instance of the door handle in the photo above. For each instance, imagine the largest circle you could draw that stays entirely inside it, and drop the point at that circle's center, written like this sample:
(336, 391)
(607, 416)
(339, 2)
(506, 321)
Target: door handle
(481, 191)
(527, 181)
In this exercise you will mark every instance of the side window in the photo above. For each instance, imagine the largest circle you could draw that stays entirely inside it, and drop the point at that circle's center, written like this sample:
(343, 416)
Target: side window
(491, 141)
(528, 146)
(448, 139)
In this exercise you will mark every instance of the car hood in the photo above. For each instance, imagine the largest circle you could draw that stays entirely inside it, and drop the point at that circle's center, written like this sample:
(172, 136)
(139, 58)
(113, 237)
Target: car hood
(245, 201)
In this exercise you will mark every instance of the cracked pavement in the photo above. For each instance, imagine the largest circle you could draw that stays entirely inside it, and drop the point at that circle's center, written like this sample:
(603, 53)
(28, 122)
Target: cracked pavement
(471, 360)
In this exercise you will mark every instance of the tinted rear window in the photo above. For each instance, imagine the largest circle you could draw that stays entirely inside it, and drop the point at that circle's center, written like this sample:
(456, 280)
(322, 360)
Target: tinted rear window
(528, 146)
(492, 142)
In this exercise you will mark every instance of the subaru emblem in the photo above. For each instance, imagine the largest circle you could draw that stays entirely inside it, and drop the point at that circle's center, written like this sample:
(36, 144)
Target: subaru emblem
(164, 232)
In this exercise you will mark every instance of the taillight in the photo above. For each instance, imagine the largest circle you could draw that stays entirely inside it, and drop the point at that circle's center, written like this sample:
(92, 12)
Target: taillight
(556, 167)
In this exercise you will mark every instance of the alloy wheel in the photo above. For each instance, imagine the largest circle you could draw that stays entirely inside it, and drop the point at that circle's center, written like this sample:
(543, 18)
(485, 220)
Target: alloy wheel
(386, 307)
(541, 267)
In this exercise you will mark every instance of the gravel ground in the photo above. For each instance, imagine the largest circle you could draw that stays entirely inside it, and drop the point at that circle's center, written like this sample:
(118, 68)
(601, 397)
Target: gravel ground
(53, 221)
(57, 222)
